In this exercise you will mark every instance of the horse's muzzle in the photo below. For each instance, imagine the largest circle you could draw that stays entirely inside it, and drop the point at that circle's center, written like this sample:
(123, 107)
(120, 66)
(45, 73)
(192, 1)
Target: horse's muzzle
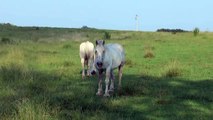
(93, 72)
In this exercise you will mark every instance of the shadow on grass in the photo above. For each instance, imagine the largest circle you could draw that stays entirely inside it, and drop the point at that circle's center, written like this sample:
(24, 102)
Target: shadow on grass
(142, 97)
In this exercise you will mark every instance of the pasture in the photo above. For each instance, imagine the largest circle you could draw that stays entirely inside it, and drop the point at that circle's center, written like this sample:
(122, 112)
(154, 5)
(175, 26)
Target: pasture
(166, 76)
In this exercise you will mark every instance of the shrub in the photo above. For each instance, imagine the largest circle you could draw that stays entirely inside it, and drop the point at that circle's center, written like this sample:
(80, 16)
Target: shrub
(87, 35)
(173, 31)
(37, 28)
(6, 40)
(67, 46)
(107, 35)
(196, 31)
(84, 27)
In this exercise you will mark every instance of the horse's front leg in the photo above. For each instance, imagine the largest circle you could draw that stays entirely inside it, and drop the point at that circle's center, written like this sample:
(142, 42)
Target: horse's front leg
(108, 70)
(100, 92)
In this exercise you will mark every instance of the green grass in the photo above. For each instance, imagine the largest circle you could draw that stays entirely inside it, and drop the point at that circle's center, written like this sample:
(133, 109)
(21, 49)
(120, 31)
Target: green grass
(40, 76)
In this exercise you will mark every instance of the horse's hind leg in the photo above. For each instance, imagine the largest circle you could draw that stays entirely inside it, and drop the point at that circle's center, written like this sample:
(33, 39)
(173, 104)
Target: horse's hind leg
(112, 82)
(83, 71)
(120, 70)
(88, 67)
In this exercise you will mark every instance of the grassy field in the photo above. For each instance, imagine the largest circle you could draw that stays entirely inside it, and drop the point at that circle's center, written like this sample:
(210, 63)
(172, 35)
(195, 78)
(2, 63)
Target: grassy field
(166, 76)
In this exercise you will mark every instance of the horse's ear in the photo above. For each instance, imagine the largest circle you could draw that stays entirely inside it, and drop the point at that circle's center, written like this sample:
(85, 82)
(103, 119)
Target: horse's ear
(96, 42)
(103, 42)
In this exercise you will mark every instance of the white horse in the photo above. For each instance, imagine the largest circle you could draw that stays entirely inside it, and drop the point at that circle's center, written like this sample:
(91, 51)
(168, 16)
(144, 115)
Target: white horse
(86, 55)
(107, 58)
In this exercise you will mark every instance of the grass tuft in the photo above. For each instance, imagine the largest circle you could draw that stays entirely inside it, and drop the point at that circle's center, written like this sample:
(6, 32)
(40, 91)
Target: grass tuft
(68, 63)
(66, 46)
(149, 54)
(129, 63)
(13, 72)
(148, 51)
(172, 69)
(27, 110)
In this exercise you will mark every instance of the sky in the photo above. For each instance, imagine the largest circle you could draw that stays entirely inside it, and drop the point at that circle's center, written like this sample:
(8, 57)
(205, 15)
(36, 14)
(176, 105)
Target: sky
(110, 14)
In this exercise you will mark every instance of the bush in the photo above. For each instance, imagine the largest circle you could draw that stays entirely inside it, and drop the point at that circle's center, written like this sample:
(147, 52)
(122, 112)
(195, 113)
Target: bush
(173, 31)
(36, 28)
(196, 31)
(107, 35)
(67, 46)
(85, 27)
(6, 40)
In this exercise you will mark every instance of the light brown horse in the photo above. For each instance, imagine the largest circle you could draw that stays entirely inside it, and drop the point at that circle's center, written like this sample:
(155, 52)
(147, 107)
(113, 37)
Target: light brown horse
(86, 55)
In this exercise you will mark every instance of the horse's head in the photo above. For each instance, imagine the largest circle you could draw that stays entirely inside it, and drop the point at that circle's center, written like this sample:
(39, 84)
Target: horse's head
(99, 53)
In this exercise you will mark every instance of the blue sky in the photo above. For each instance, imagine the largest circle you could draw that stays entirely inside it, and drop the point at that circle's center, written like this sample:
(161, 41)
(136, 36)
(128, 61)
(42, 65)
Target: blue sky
(110, 14)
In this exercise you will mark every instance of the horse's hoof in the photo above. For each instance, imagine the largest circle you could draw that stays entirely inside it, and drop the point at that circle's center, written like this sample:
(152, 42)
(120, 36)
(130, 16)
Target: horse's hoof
(88, 75)
(111, 91)
(119, 88)
(106, 95)
(99, 93)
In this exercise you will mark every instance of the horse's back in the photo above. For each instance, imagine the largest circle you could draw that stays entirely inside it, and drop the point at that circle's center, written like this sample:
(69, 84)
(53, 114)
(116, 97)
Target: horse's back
(117, 54)
(86, 49)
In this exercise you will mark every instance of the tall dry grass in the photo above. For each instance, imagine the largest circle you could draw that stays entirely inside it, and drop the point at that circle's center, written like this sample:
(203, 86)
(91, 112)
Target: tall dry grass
(148, 51)
(172, 69)
(27, 110)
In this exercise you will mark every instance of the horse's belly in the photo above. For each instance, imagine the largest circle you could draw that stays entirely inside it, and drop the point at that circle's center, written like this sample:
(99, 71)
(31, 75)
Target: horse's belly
(115, 56)
(116, 61)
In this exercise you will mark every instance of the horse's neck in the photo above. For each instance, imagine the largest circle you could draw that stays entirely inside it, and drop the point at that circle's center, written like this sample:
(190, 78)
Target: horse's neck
(107, 56)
